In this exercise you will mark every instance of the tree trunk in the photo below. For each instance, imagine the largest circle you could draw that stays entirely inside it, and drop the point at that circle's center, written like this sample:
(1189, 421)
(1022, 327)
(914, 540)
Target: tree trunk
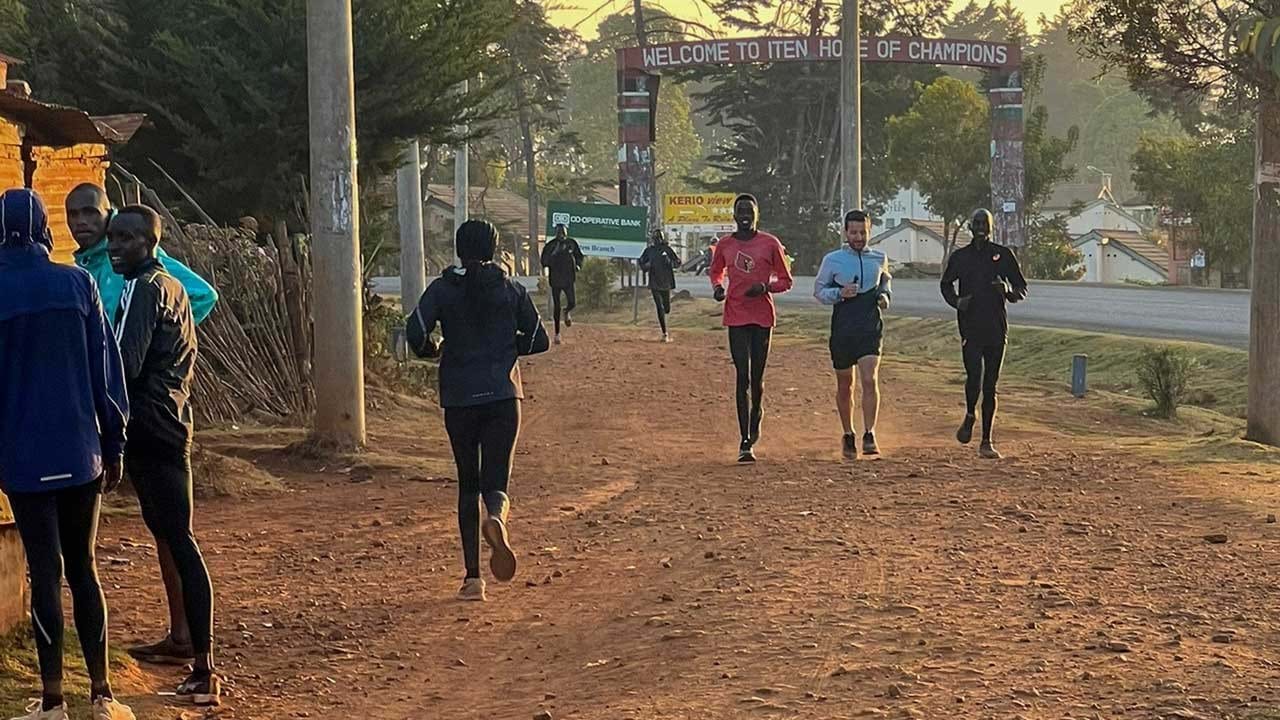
(291, 286)
(1264, 304)
(530, 177)
(641, 36)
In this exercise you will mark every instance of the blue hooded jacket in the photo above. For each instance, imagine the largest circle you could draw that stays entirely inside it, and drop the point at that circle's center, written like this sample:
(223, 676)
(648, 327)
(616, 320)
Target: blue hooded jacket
(63, 407)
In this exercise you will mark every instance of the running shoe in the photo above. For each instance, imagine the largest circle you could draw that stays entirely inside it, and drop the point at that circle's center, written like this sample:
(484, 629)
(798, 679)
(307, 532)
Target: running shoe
(869, 446)
(35, 713)
(203, 689)
(568, 319)
(557, 338)
(989, 452)
(745, 453)
(965, 433)
(166, 652)
(666, 337)
(473, 590)
(502, 561)
(105, 708)
(849, 446)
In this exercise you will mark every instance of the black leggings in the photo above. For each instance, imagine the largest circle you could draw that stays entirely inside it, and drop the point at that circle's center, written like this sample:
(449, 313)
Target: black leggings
(58, 530)
(571, 302)
(484, 444)
(161, 475)
(982, 372)
(749, 346)
(662, 301)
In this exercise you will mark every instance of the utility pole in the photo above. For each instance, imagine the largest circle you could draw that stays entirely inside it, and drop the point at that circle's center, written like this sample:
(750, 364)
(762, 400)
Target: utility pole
(1264, 302)
(461, 180)
(850, 106)
(413, 257)
(335, 224)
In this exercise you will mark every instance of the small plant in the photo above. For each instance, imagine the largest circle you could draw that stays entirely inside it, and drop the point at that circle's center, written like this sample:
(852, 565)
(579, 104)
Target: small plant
(1162, 374)
(595, 282)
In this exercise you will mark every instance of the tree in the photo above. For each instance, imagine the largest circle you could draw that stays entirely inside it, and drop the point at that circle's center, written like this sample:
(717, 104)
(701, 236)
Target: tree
(1207, 182)
(1050, 254)
(940, 146)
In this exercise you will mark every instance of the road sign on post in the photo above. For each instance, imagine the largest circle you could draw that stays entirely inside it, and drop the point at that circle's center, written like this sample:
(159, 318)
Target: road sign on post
(612, 231)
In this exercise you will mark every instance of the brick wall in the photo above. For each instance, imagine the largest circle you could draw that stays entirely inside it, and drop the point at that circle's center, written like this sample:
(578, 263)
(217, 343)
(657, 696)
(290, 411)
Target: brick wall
(58, 171)
(13, 579)
(10, 155)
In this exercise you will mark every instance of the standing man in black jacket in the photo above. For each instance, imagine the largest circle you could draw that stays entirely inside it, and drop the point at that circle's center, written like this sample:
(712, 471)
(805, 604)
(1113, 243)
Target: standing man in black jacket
(563, 259)
(660, 262)
(989, 277)
(157, 336)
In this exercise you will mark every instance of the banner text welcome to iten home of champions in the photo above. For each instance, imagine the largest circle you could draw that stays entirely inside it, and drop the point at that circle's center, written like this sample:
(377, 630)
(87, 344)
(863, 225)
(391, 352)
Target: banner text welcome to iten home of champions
(888, 49)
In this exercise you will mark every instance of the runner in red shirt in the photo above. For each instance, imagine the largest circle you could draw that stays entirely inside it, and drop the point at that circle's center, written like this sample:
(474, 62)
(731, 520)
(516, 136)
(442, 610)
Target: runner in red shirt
(755, 264)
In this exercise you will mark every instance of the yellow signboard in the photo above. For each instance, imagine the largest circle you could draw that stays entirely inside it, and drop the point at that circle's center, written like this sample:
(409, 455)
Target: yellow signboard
(698, 209)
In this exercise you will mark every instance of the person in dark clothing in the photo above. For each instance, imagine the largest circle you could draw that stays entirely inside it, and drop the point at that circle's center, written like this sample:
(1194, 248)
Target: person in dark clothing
(755, 265)
(486, 322)
(157, 336)
(660, 262)
(63, 415)
(855, 280)
(562, 259)
(989, 277)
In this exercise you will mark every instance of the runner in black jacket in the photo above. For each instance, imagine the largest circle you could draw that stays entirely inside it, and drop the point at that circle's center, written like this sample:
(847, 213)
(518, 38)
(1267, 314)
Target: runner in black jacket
(989, 277)
(660, 262)
(157, 336)
(487, 323)
(562, 259)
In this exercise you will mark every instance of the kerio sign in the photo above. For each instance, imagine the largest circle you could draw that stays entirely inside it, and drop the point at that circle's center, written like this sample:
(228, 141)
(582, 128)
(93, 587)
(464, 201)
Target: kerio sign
(933, 51)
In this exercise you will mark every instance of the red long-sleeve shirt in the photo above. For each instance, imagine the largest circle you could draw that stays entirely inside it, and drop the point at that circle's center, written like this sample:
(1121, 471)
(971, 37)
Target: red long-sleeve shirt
(762, 259)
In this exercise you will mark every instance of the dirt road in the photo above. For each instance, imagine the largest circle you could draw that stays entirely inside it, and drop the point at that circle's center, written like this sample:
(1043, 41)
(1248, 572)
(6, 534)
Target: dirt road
(660, 580)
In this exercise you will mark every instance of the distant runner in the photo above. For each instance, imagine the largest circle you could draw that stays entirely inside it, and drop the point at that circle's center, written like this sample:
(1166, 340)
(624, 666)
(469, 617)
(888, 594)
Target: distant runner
(856, 281)
(989, 277)
(487, 323)
(563, 259)
(660, 262)
(755, 264)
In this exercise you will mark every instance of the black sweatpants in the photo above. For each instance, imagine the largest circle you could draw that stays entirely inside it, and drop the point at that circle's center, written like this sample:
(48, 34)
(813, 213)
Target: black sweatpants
(484, 444)
(982, 373)
(662, 301)
(161, 475)
(58, 531)
(749, 346)
(571, 302)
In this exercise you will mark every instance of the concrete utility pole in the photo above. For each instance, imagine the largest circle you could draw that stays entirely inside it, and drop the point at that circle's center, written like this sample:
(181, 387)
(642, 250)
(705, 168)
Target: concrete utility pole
(335, 224)
(413, 257)
(850, 106)
(1264, 302)
(461, 179)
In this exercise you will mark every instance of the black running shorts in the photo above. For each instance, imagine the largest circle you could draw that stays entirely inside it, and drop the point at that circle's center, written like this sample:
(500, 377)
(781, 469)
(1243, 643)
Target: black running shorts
(846, 351)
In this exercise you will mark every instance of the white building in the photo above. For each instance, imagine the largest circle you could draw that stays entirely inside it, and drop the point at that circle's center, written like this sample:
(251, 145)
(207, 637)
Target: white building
(908, 204)
(915, 241)
(1117, 256)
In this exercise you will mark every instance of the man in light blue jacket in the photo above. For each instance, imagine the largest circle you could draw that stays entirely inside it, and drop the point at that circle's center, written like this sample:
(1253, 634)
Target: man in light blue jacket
(88, 213)
(855, 280)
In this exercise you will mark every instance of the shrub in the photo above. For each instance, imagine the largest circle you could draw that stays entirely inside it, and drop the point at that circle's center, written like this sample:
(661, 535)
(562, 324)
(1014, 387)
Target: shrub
(1162, 375)
(595, 282)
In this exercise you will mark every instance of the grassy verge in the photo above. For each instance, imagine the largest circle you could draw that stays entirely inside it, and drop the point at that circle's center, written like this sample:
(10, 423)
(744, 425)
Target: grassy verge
(20, 674)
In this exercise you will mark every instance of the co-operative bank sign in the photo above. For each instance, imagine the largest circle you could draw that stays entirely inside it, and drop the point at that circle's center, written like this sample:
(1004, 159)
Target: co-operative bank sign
(601, 230)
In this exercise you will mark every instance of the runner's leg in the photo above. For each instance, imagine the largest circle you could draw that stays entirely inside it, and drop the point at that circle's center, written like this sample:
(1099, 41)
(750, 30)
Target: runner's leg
(973, 376)
(760, 340)
(36, 515)
(462, 426)
(844, 399)
(740, 350)
(78, 531)
(555, 307)
(662, 313)
(869, 379)
(497, 448)
(993, 360)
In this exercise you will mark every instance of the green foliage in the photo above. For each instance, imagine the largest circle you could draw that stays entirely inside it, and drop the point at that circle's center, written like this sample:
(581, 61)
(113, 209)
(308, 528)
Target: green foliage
(1162, 374)
(1208, 182)
(1049, 254)
(596, 282)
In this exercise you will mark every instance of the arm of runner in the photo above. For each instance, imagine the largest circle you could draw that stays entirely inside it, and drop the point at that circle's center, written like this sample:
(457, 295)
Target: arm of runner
(1018, 283)
(420, 325)
(886, 286)
(646, 261)
(825, 288)
(578, 258)
(717, 271)
(782, 281)
(671, 255)
(203, 296)
(544, 259)
(531, 336)
(948, 284)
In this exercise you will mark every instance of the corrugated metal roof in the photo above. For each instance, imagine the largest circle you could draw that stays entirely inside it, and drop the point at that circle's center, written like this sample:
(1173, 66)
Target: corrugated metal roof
(507, 210)
(122, 127)
(52, 125)
(1138, 245)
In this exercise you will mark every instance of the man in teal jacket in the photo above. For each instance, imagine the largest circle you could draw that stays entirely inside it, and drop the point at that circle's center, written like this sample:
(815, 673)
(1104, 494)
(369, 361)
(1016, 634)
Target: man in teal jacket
(88, 212)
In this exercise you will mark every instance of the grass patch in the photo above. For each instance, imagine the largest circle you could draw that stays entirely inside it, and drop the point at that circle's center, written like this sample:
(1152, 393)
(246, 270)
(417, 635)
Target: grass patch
(20, 673)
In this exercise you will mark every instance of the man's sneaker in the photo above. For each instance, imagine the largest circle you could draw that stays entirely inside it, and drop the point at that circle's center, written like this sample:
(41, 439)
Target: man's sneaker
(568, 319)
(105, 708)
(472, 589)
(666, 337)
(166, 652)
(502, 561)
(203, 689)
(989, 452)
(557, 338)
(965, 433)
(35, 713)
(849, 446)
(869, 446)
(745, 453)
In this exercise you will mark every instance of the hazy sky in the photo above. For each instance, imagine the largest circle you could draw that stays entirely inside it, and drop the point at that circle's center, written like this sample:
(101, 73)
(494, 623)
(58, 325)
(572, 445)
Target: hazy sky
(696, 10)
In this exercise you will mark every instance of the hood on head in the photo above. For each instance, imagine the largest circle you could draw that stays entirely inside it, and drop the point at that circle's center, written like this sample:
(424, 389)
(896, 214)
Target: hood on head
(23, 220)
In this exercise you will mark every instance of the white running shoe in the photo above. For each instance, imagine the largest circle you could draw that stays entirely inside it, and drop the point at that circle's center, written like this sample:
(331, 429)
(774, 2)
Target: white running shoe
(472, 589)
(35, 713)
(109, 709)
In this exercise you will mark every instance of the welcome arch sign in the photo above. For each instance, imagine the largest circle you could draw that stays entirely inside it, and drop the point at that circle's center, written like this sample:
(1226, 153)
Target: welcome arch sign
(640, 69)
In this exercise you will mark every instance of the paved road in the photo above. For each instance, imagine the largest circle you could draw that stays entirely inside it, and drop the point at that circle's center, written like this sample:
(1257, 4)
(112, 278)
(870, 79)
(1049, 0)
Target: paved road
(1186, 314)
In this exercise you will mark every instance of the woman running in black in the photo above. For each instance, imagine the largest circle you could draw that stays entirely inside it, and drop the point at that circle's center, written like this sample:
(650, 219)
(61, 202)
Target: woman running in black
(660, 262)
(989, 277)
(487, 322)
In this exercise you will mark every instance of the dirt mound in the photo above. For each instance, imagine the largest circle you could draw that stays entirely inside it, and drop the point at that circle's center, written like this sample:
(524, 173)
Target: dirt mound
(218, 475)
